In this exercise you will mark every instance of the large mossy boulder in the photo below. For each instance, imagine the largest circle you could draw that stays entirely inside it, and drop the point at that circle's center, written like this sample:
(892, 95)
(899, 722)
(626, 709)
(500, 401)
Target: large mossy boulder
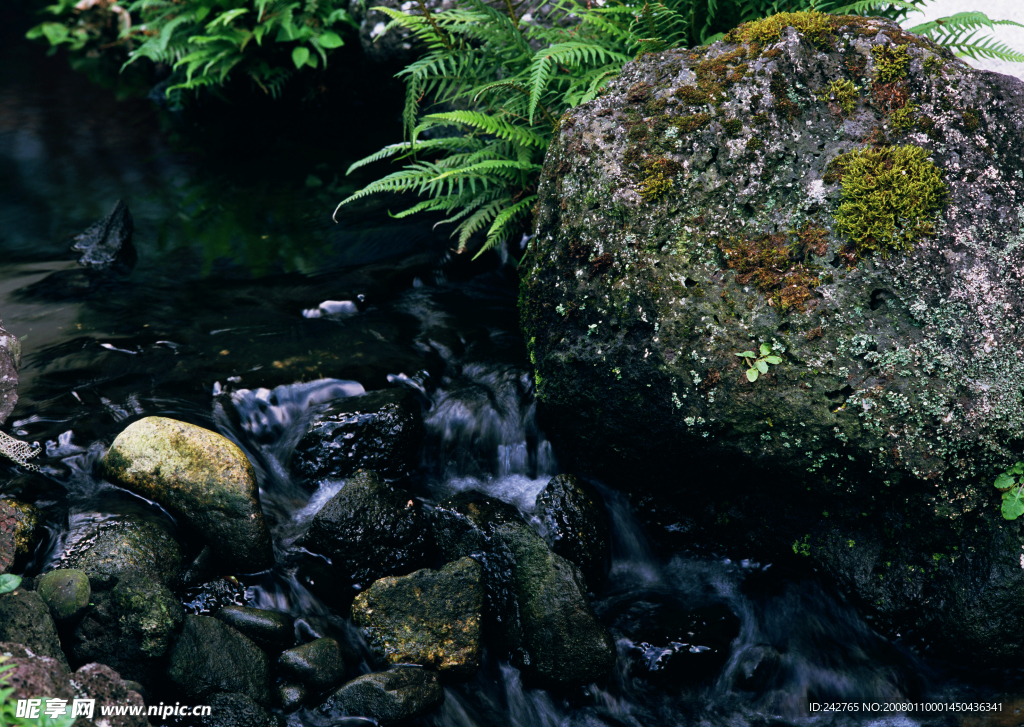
(431, 618)
(201, 477)
(779, 277)
(369, 530)
(535, 601)
(124, 545)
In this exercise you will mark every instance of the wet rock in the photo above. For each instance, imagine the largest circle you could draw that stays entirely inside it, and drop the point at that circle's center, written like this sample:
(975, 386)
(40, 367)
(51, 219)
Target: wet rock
(10, 359)
(107, 245)
(290, 696)
(210, 656)
(66, 592)
(34, 676)
(25, 619)
(536, 600)
(19, 532)
(208, 598)
(888, 392)
(129, 628)
(237, 710)
(126, 545)
(317, 665)
(403, 692)
(271, 630)
(8, 525)
(369, 530)
(380, 431)
(575, 524)
(201, 477)
(431, 618)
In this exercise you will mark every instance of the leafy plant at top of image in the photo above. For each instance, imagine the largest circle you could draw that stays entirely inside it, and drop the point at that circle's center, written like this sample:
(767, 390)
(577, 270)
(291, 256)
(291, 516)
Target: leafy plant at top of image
(758, 364)
(1011, 484)
(204, 41)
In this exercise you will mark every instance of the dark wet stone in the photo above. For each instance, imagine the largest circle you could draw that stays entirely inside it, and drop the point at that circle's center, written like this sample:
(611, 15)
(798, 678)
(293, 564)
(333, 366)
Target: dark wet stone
(380, 431)
(536, 600)
(130, 627)
(271, 630)
(10, 359)
(210, 656)
(318, 664)
(8, 527)
(389, 696)
(369, 530)
(25, 619)
(237, 710)
(127, 545)
(66, 592)
(290, 696)
(107, 245)
(431, 618)
(574, 523)
(202, 478)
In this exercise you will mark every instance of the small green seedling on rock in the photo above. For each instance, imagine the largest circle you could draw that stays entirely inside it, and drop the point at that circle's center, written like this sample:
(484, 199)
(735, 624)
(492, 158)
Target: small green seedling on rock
(1012, 486)
(759, 364)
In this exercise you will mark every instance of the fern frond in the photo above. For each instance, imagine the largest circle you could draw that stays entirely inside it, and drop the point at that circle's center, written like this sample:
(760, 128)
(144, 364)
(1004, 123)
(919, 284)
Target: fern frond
(501, 227)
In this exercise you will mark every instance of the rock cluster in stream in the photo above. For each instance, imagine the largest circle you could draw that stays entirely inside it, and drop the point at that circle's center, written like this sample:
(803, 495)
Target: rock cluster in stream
(428, 590)
(775, 291)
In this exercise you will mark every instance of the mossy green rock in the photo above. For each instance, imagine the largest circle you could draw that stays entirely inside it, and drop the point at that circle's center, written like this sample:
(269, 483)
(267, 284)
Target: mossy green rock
(398, 694)
(318, 664)
(536, 601)
(210, 656)
(25, 619)
(431, 618)
(125, 545)
(66, 592)
(898, 392)
(203, 478)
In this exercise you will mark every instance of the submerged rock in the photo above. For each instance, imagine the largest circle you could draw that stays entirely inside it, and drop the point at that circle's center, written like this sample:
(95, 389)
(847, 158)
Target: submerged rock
(10, 360)
(25, 619)
(66, 592)
(380, 431)
(401, 693)
(536, 600)
(201, 477)
(575, 524)
(210, 656)
(431, 618)
(779, 277)
(124, 546)
(369, 530)
(130, 627)
(107, 245)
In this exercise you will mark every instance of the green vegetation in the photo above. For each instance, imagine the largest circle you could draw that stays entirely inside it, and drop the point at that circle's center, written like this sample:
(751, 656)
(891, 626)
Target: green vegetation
(813, 25)
(1011, 484)
(891, 62)
(759, 363)
(843, 93)
(890, 197)
(9, 582)
(205, 41)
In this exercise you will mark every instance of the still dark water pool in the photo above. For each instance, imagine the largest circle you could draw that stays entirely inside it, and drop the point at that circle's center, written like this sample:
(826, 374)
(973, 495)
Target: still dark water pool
(213, 326)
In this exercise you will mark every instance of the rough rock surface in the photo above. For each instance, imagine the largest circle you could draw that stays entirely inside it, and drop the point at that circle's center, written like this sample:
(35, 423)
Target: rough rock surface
(431, 618)
(10, 359)
(25, 619)
(107, 245)
(751, 194)
(317, 665)
(125, 545)
(210, 656)
(203, 478)
(401, 693)
(369, 530)
(66, 592)
(536, 601)
(380, 431)
(575, 524)
(236, 710)
(34, 676)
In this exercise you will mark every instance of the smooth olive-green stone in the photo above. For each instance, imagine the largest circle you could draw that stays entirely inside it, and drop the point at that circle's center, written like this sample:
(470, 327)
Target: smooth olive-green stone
(317, 664)
(201, 477)
(270, 629)
(66, 592)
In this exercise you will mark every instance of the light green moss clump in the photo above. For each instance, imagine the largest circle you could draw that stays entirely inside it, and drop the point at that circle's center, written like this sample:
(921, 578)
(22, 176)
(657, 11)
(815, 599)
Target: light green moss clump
(903, 118)
(891, 62)
(843, 93)
(814, 26)
(890, 197)
(655, 185)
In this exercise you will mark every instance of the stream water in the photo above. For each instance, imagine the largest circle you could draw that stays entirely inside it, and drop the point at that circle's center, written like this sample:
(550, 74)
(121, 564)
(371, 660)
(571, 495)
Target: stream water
(221, 324)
